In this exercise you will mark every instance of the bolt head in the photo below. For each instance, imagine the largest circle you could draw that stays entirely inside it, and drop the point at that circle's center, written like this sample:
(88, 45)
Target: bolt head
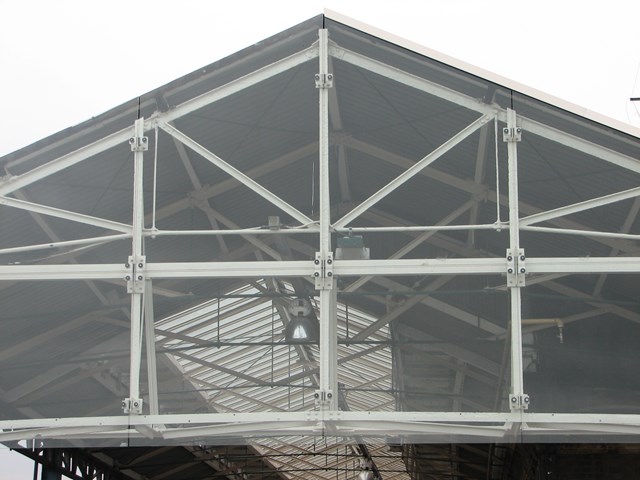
(329, 395)
(316, 274)
(329, 274)
(139, 277)
(316, 261)
(505, 130)
(127, 278)
(510, 270)
(329, 261)
(140, 265)
(509, 258)
(522, 270)
(522, 257)
(132, 140)
(126, 265)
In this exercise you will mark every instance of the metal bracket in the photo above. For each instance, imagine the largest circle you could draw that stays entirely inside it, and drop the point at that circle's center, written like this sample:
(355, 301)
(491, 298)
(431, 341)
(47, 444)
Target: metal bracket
(519, 402)
(132, 405)
(324, 80)
(135, 276)
(322, 397)
(323, 271)
(516, 268)
(139, 144)
(511, 134)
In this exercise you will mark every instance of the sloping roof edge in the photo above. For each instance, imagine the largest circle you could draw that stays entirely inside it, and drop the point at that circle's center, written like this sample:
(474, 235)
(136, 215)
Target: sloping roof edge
(485, 74)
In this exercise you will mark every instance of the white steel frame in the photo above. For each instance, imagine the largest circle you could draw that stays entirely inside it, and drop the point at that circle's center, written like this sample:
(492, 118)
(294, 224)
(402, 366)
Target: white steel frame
(139, 274)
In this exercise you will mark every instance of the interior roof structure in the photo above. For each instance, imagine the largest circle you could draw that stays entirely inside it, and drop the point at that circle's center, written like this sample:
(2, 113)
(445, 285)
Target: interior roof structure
(465, 248)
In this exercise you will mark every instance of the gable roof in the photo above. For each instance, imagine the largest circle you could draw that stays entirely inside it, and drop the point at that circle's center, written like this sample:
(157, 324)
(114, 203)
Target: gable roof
(412, 342)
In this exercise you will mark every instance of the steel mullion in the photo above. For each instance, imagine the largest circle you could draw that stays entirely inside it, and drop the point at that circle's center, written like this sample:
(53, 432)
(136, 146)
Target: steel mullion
(328, 293)
(517, 373)
(137, 297)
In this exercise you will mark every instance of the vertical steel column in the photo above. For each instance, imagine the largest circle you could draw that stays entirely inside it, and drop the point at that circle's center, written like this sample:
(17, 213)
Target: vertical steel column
(150, 345)
(136, 263)
(326, 396)
(515, 266)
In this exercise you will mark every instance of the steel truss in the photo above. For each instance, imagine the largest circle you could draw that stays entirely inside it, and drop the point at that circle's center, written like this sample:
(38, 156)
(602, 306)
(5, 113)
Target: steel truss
(139, 275)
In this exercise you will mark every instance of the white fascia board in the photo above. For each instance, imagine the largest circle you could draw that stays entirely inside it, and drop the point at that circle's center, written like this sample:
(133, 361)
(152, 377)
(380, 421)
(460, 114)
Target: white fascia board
(482, 73)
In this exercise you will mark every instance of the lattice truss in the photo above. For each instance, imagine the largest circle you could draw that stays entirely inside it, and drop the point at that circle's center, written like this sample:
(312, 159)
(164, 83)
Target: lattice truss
(469, 254)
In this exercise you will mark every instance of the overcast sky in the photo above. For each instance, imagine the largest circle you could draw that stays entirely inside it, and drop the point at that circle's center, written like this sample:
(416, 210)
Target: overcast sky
(64, 61)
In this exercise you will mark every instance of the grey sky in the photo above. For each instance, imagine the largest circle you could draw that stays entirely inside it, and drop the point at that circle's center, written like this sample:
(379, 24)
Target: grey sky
(64, 61)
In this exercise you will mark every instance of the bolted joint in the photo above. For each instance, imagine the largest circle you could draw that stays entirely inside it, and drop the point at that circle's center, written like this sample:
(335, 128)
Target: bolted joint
(510, 134)
(132, 405)
(324, 80)
(323, 271)
(139, 144)
(516, 268)
(519, 402)
(323, 397)
(135, 275)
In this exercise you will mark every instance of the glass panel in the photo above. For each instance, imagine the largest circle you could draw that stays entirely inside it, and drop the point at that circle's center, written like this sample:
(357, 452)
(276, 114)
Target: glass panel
(437, 345)
(580, 336)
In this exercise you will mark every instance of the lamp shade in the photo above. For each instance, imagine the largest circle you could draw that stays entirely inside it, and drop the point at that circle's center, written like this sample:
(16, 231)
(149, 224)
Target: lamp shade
(365, 475)
(300, 330)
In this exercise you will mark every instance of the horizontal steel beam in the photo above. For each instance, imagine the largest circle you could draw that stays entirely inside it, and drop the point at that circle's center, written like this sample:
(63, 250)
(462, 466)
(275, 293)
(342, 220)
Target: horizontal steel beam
(316, 422)
(300, 268)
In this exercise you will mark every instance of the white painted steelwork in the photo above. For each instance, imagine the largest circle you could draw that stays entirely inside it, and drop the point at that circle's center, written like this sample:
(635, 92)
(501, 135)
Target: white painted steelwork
(352, 383)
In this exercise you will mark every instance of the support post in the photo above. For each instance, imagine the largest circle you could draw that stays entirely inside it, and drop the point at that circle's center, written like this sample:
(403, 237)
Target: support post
(136, 265)
(150, 345)
(327, 394)
(516, 268)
